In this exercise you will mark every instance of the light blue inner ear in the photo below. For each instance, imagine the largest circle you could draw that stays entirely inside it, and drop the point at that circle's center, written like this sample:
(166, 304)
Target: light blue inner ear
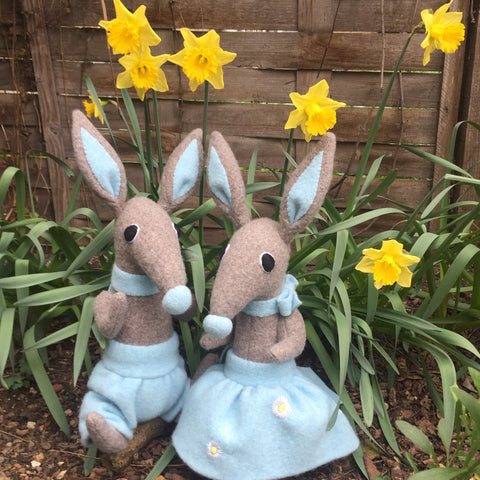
(186, 171)
(103, 166)
(218, 179)
(303, 192)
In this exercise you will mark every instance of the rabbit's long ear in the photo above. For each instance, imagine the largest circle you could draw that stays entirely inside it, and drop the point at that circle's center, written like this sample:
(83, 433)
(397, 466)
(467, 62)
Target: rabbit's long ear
(182, 171)
(306, 188)
(98, 162)
(225, 181)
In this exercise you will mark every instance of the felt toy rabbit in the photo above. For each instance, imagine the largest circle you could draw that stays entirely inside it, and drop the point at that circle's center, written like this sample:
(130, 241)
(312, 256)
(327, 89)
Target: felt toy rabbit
(141, 374)
(259, 416)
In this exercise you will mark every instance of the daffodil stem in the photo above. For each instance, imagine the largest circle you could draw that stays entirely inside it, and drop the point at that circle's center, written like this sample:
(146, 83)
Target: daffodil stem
(148, 145)
(285, 165)
(373, 131)
(158, 135)
(204, 146)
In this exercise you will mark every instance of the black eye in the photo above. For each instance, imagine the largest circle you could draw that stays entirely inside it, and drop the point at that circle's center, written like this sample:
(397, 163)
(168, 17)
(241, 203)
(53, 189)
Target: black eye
(223, 251)
(177, 229)
(131, 233)
(267, 262)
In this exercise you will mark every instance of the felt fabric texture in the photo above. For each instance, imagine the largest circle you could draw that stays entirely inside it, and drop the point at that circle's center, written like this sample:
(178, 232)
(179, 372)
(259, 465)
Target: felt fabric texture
(284, 303)
(133, 384)
(217, 326)
(131, 283)
(260, 421)
(142, 374)
(183, 181)
(302, 194)
(231, 199)
(101, 163)
(218, 179)
(291, 226)
(182, 172)
(83, 129)
(177, 300)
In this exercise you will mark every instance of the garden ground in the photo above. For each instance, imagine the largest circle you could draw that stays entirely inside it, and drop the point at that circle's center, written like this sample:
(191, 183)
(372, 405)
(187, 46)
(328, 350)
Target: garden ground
(32, 447)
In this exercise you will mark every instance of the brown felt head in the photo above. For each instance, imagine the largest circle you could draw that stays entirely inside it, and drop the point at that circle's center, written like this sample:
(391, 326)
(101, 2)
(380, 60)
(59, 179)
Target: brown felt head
(256, 261)
(145, 239)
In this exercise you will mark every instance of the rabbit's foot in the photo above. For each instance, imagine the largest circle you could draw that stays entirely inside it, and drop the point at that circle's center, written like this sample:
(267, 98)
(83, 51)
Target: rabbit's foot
(105, 436)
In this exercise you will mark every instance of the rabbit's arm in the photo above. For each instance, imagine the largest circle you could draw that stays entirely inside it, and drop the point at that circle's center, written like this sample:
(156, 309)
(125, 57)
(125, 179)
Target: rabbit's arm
(292, 338)
(209, 342)
(110, 310)
(190, 313)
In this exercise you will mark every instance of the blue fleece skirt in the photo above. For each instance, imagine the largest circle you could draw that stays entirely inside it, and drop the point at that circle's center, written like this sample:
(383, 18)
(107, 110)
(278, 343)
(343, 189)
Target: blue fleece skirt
(135, 383)
(244, 420)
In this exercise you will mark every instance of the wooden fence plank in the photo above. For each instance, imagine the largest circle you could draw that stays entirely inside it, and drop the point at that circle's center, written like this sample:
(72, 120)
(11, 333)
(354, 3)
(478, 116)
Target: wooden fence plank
(47, 96)
(270, 86)
(352, 15)
(215, 14)
(273, 50)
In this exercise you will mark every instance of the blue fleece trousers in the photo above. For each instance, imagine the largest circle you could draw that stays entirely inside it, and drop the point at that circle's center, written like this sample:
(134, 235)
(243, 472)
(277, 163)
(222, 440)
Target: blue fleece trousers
(134, 383)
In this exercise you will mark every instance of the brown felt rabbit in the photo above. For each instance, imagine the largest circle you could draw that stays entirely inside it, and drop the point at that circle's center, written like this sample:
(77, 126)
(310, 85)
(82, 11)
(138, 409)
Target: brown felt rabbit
(141, 374)
(258, 416)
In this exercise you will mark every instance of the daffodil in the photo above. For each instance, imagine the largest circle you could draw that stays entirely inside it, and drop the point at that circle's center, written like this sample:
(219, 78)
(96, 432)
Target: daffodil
(129, 31)
(315, 112)
(92, 109)
(202, 58)
(388, 265)
(444, 30)
(142, 71)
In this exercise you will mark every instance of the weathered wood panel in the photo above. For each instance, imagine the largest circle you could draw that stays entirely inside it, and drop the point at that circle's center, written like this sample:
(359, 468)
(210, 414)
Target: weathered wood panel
(413, 90)
(272, 50)
(282, 46)
(352, 15)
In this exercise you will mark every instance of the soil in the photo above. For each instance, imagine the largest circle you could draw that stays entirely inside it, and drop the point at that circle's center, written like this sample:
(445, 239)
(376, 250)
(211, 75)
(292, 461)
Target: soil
(32, 447)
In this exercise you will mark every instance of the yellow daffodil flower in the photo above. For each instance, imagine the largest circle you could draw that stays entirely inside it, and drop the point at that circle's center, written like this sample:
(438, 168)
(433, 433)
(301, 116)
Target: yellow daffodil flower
(92, 109)
(388, 265)
(202, 58)
(315, 112)
(444, 30)
(142, 71)
(129, 31)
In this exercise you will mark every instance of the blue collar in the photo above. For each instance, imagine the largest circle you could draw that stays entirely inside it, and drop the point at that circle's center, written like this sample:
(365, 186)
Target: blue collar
(131, 283)
(284, 304)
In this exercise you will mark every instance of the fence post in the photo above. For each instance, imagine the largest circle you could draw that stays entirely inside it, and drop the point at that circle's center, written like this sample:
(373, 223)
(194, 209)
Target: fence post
(33, 11)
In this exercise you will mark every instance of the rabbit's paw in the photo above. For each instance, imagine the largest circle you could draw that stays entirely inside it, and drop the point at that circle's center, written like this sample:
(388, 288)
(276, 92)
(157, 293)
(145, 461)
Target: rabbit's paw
(110, 312)
(208, 342)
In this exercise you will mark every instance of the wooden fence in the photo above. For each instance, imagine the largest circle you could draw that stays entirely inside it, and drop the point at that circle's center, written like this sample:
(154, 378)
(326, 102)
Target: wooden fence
(48, 46)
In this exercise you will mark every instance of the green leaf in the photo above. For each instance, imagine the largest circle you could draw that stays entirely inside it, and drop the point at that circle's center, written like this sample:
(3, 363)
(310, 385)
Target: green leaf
(95, 247)
(454, 274)
(83, 336)
(162, 463)
(59, 295)
(198, 274)
(446, 473)
(416, 436)
(435, 159)
(366, 397)
(43, 382)
(22, 281)
(56, 337)
(7, 319)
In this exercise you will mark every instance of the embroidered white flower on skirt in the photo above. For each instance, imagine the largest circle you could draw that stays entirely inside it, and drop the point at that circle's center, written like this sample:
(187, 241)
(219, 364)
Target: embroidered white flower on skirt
(281, 407)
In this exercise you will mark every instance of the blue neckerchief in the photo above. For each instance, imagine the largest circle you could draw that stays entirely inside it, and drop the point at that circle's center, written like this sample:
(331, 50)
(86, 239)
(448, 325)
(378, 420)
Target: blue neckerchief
(284, 304)
(131, 283)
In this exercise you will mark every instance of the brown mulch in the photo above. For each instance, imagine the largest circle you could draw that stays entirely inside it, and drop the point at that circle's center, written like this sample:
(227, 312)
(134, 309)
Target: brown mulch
(32, 447)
